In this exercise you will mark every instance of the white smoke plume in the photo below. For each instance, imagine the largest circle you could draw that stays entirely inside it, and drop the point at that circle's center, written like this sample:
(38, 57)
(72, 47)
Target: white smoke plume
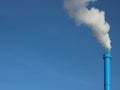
(93, 18)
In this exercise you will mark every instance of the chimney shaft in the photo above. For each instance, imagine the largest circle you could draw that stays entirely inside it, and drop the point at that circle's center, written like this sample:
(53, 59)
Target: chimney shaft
(107, 60)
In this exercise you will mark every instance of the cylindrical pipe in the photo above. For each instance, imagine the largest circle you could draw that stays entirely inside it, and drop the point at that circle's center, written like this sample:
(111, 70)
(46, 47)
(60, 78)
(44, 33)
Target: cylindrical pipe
(107, 60)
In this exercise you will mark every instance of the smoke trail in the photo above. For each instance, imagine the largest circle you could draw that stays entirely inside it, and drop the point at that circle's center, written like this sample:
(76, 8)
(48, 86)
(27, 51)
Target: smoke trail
(93, 18)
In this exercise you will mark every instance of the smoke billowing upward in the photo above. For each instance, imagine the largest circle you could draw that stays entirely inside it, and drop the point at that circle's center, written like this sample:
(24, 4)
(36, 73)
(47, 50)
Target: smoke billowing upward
(93, 18)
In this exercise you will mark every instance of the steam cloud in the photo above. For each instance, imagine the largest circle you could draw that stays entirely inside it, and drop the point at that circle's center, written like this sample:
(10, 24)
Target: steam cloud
(93, 18)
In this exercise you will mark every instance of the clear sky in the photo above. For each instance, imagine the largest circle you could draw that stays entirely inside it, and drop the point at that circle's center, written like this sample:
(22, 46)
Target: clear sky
(41, 48)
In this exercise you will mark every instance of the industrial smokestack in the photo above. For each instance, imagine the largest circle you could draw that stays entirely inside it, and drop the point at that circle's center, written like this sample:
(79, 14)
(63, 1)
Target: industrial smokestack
(95, 19)
(107, 60)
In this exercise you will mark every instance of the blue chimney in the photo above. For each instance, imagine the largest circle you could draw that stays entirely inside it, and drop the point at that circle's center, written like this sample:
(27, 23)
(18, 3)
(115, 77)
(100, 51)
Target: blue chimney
(107, 60)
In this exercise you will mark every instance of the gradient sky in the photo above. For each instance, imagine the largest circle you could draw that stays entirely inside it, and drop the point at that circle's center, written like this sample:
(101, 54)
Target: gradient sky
(41, 48)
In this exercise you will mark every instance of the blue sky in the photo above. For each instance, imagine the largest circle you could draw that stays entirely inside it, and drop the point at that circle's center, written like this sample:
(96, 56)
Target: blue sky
(41, 48)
